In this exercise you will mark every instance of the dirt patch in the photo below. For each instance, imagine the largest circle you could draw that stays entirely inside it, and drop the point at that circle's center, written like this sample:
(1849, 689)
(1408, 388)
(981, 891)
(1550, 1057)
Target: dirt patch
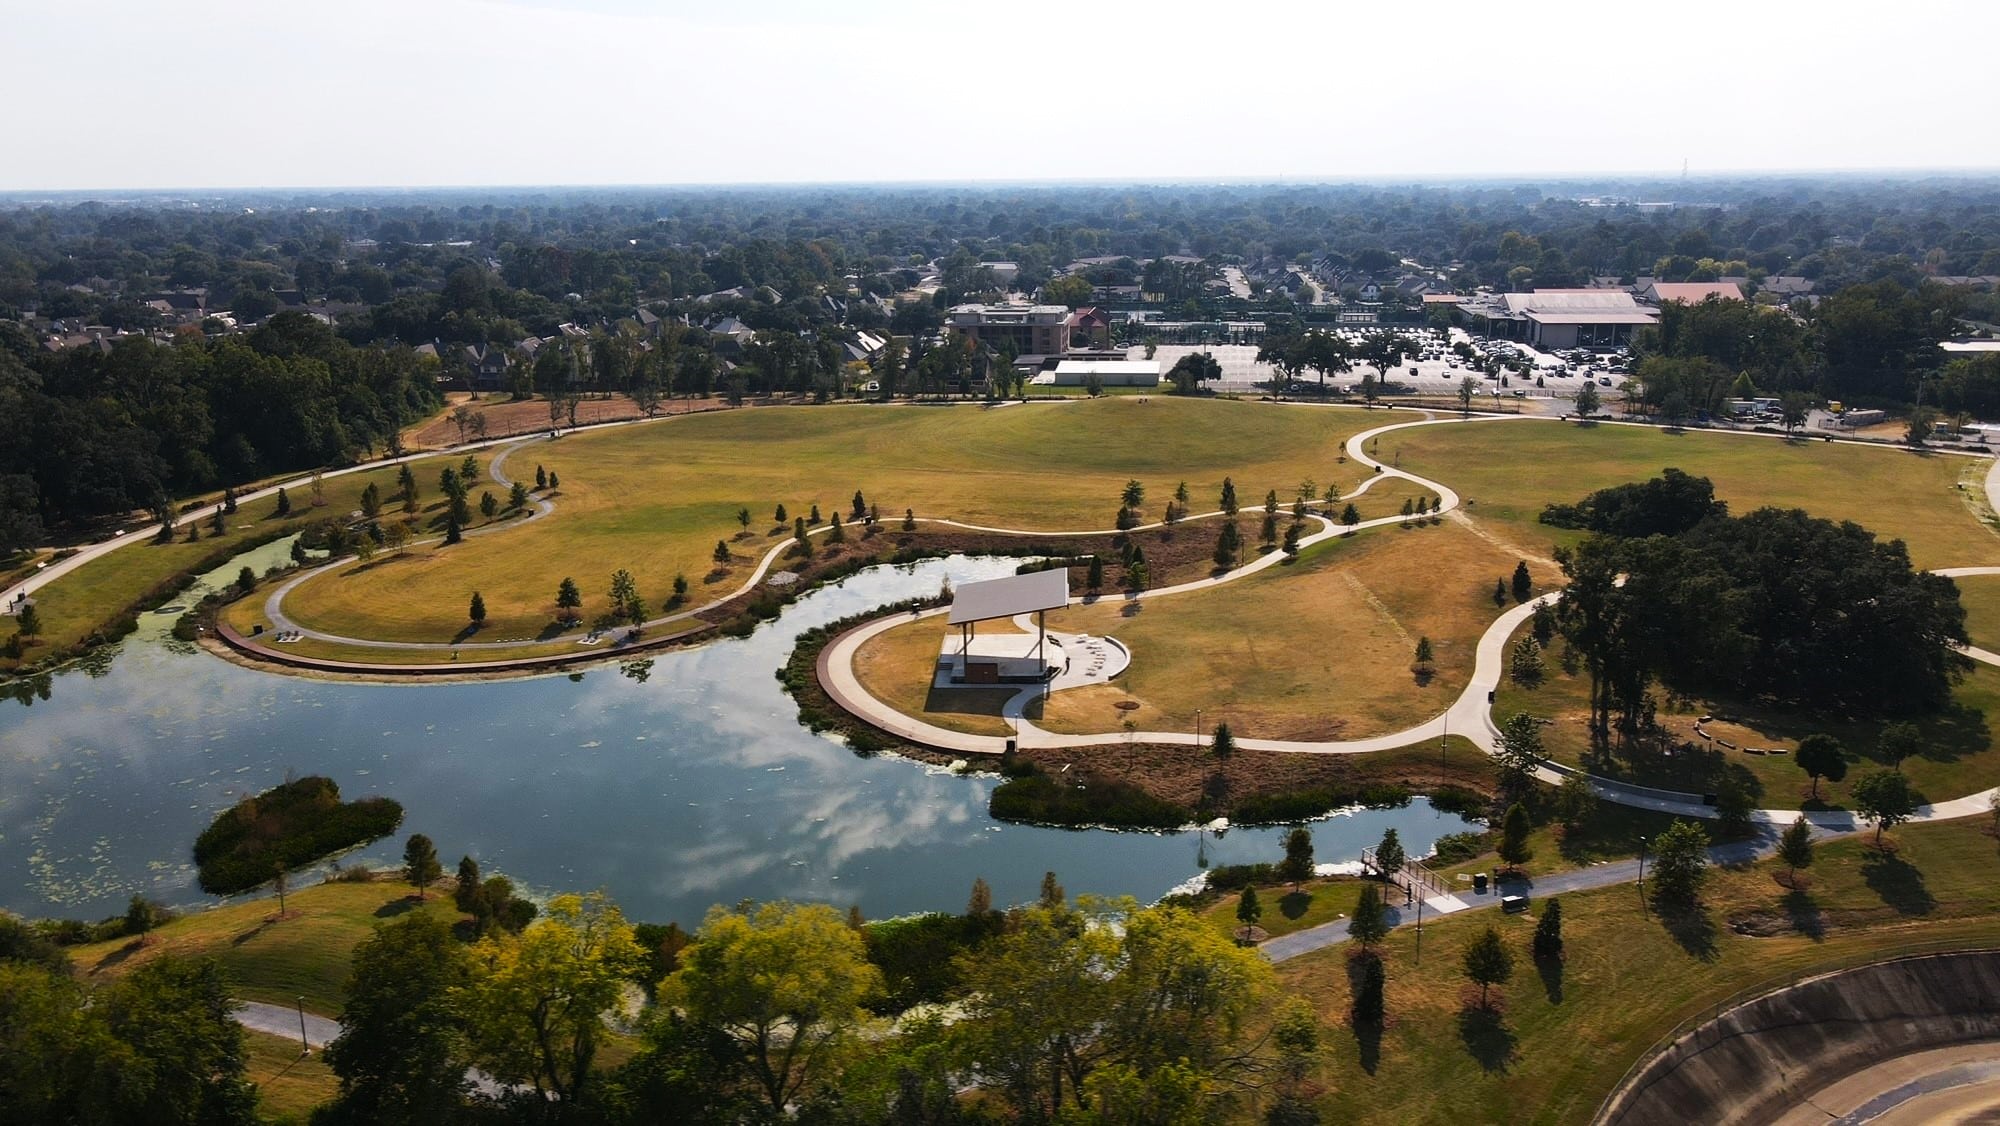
(506, 418)
(1182, 775)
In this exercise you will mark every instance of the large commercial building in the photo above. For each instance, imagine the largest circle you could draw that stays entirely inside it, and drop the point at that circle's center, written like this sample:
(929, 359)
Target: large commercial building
(1553, 319)
(1034, 330)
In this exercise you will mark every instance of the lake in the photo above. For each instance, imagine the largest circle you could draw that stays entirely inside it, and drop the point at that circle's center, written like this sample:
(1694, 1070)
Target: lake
(691, 786)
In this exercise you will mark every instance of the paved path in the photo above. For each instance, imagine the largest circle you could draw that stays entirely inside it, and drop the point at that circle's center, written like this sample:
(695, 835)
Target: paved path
(1289, 946)
(283, 1022)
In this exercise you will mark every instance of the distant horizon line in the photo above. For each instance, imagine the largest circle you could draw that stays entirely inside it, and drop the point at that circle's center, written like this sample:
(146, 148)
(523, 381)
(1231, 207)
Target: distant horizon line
(1429, 180)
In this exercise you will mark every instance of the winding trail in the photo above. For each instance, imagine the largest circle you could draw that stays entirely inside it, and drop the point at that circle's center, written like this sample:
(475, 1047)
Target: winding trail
(1470, 715)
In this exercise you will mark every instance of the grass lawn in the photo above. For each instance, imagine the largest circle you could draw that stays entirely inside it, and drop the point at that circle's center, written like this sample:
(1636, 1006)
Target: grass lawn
(1980, 595)
(1612, 833)
(1285, 910)
(1510, 470)
(91, 595)
(1560, 1040)
(1317, 649)
(306, 954)
(288, 1086)
(657, 498)
(1959, 755)
(898, 667)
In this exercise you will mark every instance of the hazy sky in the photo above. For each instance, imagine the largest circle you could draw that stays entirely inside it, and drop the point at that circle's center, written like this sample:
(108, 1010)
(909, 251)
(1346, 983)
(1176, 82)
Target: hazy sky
(236, 93)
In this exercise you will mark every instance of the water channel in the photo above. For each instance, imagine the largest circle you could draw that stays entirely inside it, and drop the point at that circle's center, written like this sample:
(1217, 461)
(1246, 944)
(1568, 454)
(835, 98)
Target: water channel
(691, 786)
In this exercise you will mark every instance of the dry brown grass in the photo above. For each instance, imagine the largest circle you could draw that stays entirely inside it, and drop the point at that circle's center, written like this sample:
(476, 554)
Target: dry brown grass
(1319, 649)
(897, 667)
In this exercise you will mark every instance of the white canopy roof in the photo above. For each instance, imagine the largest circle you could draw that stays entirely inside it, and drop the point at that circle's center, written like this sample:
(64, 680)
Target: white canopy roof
(1015, 594)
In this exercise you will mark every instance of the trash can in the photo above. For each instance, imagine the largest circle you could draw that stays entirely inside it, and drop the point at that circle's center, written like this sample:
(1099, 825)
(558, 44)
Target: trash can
(1479, 883)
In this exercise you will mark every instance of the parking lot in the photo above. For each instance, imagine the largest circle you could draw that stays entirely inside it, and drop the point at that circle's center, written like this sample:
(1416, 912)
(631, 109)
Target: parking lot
(1436, 370)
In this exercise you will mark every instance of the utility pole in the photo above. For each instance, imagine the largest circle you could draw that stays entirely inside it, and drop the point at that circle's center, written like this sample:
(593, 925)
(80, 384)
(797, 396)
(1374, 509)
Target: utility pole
(305, 1049)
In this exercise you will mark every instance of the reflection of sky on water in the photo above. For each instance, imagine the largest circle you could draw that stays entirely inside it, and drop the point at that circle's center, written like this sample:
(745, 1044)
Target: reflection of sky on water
(696, 787)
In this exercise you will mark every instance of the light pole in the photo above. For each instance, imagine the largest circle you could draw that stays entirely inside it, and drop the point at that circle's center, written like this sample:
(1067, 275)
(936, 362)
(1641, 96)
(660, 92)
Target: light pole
(305, 1049)
(1197, 728)
(1642, 875)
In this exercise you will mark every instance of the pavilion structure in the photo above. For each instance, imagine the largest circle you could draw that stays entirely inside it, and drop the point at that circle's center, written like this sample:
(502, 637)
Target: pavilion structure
(1005, 658)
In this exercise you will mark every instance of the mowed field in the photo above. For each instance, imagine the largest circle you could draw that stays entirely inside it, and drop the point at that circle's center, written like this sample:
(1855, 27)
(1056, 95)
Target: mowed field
(654, 499)
(1508, 471)
(1980, 595)
(1560, 1036)
(1319, 649)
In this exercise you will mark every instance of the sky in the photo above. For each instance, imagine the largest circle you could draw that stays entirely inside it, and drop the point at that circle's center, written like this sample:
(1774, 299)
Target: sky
(137, 94)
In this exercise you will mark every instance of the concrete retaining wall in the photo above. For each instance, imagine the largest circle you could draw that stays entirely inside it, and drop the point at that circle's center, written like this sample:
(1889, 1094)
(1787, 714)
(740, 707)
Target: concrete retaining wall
(1761, 1058)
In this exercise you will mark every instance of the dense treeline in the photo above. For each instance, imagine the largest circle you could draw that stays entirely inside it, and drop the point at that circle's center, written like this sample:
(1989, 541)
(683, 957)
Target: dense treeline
(1777, 605)
(98, 433)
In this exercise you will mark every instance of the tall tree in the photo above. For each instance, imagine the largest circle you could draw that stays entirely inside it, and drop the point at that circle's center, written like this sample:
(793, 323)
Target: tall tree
(420, 863)
(1884, 797)
(1795, 848)
(1369, 924)
(400, 1055)
(1821, 756)
(785, 985)
(1297, 867)
(1680, 865)
(536, 1004)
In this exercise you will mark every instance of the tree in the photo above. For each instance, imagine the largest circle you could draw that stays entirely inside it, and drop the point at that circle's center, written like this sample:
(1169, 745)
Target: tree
(909, 519)
(834, 532)
(489, 505)
(569, 599)
(859, 512)
(284, 503)
(139, 917)
(1370, 922)
(1514, 829)
(1575, 802)
(1520, 750)
(981, 902)
(1547, 944)
(466, 887)
(1297, 867)
(1898, 741)
(1488, 963)
(1248, 910)
(420, 863)
(1228, 544)
(1468, 387)
(1389, 855)
(555, 482)
(400, 1054)
(624, 591)
(1052, 894)
(1524, 583)
(1734, 802)
(1884, 797)
(1094, 575)
(1821, 756)
(1228, 504)
(517, 496)
(784, 985)
(1225, 741)
(177, 1054)
(1524, 661)
(1499, 592)
(1587, 400)
(1795, 848)
(536, 1003)
(1793, 406)
(454, 531)
(721, 555)
(1350, 516)
(1191, 371)
(1291, 544)
(1680, 864)
(476, 611)
(1424, 656)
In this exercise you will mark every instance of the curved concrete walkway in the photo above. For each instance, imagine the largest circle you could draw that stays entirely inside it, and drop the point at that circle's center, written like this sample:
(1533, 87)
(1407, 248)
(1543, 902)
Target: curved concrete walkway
(1469, 715)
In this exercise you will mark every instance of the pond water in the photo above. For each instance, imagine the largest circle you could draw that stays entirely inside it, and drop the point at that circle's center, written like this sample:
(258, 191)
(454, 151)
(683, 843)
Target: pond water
(688, 786)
